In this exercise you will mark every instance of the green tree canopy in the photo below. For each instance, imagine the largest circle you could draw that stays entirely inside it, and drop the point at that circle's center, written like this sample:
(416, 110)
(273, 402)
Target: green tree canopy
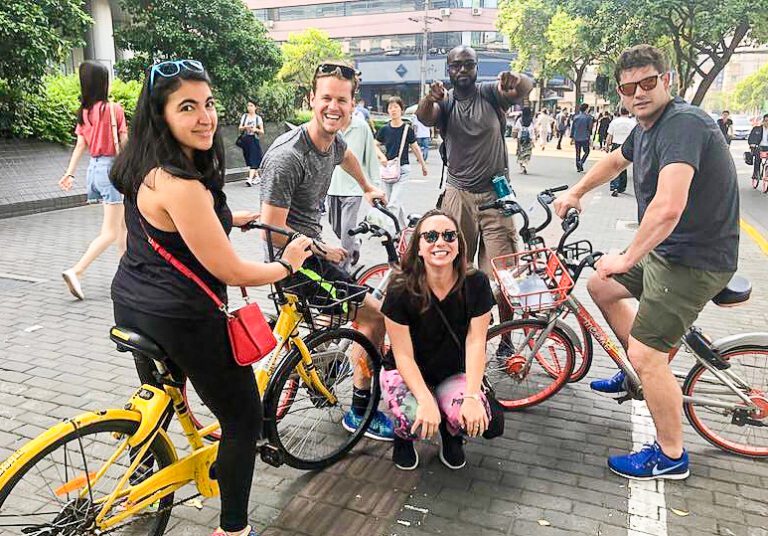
(302, 53)
(34, 36)
(223, 34)
(751, 93)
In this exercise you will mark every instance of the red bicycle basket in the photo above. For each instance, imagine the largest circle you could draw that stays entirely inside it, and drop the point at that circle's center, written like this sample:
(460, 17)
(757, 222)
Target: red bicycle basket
(405, 239)
(532, 280)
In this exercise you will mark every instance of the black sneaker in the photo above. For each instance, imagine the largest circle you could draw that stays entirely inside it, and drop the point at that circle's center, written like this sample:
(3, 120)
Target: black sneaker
(404, 454)
(451, 449)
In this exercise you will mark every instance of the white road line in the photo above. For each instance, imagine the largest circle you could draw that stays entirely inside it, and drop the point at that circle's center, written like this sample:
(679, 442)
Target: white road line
(646, 505)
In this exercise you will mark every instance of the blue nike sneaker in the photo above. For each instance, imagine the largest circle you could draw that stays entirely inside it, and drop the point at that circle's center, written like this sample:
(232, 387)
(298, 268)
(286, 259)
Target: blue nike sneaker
(380, 429)
(611, 386)
(650, 463)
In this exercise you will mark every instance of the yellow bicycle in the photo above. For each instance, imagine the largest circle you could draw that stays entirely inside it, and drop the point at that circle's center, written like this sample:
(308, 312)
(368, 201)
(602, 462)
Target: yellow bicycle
(117, 471)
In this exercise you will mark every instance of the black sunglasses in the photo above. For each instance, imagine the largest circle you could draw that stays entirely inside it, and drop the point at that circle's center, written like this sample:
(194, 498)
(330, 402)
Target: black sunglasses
(457, 65)
(431, 236)
(630, 88)
(331, 69)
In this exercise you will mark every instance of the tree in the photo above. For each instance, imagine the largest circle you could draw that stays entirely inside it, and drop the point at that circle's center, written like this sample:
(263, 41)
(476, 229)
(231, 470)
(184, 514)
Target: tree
(751, 93)
(302, 53)
(703, 34)
(223, 34)
(34, 36)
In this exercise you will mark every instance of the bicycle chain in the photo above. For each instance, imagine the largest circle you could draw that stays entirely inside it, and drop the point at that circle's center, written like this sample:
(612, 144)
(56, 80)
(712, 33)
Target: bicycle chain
(144, 516)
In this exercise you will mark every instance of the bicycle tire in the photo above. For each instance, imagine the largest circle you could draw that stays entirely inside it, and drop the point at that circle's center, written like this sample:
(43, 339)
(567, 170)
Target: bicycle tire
(582, 343)
(160, 449)
(764, 187)
(504, 365)
(755, 182)
(369, 275)
(702, 418)
(284, 427)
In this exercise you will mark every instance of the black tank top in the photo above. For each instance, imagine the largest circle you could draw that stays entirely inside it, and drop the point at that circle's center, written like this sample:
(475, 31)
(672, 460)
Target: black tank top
(146, 282)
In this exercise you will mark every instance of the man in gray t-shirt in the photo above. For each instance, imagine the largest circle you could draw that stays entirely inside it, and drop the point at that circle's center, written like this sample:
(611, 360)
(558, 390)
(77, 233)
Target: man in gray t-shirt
(684, 253)
(471, 118)
(295, 177)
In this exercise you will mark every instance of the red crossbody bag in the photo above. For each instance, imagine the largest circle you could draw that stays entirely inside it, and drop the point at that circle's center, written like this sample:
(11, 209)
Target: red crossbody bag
(250, 336)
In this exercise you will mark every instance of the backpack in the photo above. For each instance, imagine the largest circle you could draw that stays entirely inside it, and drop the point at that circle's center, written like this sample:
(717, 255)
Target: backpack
(525, 135)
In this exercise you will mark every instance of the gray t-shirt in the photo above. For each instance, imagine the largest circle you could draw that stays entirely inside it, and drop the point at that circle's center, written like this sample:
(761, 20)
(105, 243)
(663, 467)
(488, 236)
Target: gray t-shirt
(296, 175)
(707, 235)
(473, 138)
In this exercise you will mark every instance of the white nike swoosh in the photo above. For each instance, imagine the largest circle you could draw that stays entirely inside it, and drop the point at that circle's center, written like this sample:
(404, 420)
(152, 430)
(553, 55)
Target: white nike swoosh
(657, 472)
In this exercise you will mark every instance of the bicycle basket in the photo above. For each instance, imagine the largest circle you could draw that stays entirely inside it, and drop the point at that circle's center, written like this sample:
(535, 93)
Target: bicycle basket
(327, 303)
(534, 280)
(405, 239)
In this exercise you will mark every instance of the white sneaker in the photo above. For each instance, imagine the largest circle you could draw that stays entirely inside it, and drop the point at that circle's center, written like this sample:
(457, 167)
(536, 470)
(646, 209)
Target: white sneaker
(73, 283)
(252, 181)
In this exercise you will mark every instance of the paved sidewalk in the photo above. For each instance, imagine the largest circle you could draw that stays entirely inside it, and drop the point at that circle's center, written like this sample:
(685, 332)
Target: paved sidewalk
(547, 475)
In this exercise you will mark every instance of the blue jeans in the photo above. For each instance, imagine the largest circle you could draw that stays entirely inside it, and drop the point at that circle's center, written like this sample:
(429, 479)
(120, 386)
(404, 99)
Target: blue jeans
(424, 144)
(98, 186)
(581, 146)
(619, 184)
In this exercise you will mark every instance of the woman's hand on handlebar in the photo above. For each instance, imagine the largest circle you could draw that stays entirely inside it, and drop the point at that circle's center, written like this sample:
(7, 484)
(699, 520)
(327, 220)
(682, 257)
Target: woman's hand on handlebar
(241, 218)
(565, 202)
(297, 251)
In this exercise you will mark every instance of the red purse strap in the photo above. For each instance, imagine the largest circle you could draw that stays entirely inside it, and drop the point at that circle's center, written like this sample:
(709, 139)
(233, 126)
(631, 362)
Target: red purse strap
(176, 263)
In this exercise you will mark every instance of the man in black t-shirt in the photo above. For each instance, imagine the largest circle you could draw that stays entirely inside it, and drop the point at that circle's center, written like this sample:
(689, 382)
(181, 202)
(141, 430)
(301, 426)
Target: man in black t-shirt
(684, 253)
(726, 126)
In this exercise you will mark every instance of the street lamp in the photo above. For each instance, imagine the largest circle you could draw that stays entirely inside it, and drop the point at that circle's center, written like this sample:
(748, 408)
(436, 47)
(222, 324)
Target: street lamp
(427, 20)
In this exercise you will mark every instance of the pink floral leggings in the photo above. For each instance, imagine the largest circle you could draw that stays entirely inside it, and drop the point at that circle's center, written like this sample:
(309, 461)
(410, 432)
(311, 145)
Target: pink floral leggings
(402, 404)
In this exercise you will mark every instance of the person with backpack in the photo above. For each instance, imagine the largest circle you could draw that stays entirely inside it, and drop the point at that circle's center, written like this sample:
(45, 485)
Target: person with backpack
(523, 131)
(251, 128)
(471, 118)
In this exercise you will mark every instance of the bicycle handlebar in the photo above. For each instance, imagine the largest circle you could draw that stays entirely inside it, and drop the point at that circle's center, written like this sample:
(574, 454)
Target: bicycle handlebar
(362, 228)
(589, 260)
(377, 204)
(510, 208)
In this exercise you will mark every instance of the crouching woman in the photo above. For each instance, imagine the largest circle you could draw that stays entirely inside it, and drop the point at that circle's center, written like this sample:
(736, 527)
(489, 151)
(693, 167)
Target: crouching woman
(437, 313)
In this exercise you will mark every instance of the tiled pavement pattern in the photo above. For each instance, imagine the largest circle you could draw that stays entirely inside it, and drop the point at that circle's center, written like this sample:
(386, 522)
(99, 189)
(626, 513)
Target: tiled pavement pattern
(549, 468)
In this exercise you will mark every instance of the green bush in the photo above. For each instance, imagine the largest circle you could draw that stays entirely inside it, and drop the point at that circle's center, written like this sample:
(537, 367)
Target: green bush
(299, 117)
(51, 115)
(275, 98)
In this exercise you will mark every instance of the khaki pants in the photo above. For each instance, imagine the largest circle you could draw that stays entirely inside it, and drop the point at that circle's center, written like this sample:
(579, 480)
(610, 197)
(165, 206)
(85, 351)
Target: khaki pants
(488, 233)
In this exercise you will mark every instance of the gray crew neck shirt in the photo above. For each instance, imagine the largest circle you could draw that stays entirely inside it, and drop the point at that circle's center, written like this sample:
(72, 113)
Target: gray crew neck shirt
(296, 175)
(473, 138)
(707, 235)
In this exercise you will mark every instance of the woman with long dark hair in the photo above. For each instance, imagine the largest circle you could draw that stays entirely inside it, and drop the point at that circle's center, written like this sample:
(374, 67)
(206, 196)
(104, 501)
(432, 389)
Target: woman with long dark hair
(101, 131)
(172, 175)
(437, 313)
(523, 131)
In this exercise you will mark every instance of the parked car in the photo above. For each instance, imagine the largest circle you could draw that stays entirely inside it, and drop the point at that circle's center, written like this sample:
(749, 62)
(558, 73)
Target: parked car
(741, 127)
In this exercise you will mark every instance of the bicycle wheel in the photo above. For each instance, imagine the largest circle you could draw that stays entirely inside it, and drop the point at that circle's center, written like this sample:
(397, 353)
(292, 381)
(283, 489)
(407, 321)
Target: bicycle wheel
(582, 343)
(43, 495)
(741, 433)
(519, 384)
(373, 276)
(299, 420)
(764, 187)
(755, 182)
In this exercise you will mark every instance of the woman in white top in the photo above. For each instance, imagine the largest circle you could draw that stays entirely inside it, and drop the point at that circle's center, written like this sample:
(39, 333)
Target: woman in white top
(544, 127)
(252, 127)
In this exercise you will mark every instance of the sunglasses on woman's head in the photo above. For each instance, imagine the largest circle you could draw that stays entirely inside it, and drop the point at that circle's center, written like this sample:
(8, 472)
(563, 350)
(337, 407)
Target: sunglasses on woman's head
(630, 88)
(169, 69)
(431, 236)
(331, 69)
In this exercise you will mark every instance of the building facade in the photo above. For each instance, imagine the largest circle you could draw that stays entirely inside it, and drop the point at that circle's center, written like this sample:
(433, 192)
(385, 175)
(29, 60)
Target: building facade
(99, 38)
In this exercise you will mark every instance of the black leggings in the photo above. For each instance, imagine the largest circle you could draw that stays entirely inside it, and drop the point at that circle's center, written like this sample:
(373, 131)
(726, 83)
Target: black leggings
(199, 349)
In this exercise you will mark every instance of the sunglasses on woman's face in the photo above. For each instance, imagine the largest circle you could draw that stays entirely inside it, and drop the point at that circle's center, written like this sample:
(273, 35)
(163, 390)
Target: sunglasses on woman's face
(169, 69)
(431, 236)
(330, 69)
(630, 88)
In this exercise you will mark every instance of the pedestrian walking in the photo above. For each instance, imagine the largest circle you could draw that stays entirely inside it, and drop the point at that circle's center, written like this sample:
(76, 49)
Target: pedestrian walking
(618, 132)
(523, 132)
(471, 120)
(295, 177)
(581, 132)
(725, 124)
(423, 136)
(345, 194)
(251, 129)
(397, 137)
(544, 127)
(101, 132)
(684, 253)
(602, 128)
(173, 180)
(437, 313)
(562, 120)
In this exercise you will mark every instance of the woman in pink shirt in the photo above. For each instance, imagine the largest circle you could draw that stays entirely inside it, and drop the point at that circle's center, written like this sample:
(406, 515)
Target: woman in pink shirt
(101, 130)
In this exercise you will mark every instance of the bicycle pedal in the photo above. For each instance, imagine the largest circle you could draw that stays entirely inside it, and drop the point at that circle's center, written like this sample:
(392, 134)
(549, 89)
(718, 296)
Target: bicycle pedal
(624, 398)
(271, 455)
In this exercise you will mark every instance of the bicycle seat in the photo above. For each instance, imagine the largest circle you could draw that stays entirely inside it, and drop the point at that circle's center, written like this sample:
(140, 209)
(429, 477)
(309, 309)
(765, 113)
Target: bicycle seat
(413, 219)
(735, 292)
(128, 340)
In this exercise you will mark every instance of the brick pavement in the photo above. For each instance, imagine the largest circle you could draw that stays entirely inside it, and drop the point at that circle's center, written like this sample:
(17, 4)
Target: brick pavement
(549, 468)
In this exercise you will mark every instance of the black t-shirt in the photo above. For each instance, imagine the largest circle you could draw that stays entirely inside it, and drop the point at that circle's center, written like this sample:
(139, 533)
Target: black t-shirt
(392, 137)
(435, 351)
(707, 235)
(724, 125)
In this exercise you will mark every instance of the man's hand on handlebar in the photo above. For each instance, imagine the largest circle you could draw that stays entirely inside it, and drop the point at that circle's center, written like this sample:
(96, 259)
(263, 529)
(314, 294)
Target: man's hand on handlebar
(611, 264)
(566, 202)
(297, 251)
(373, 194)
(331, 253)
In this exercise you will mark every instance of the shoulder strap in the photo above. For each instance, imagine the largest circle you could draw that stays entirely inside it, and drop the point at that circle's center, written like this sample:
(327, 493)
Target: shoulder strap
(113, 121)
(402, 141)
(242, 120)
(445, 320)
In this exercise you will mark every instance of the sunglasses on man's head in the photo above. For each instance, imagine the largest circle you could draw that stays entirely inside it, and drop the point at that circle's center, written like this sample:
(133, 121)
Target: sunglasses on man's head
(430, 237)
(630, 88)
(169, 69)
(331, 69)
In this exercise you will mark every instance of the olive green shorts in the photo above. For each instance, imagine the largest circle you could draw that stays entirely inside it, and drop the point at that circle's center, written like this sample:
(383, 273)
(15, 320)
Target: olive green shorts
(671, 297)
